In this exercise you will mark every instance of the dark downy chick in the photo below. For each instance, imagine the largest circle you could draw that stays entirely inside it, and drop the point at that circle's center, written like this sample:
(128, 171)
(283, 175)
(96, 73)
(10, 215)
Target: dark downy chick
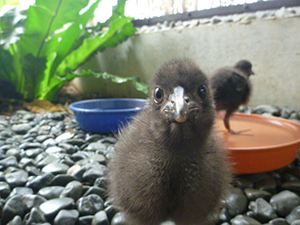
(231, 88)
(169, 165)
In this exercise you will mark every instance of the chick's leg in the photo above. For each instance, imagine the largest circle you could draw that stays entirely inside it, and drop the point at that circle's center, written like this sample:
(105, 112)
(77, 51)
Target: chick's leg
(226, 120)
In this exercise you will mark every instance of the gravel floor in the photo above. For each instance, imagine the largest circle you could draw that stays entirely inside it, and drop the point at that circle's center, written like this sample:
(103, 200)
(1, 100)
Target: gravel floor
(51, 172)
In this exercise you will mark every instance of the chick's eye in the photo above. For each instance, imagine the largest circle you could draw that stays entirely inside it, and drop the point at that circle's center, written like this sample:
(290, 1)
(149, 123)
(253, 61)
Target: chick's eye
(202, 92)
(158, 95)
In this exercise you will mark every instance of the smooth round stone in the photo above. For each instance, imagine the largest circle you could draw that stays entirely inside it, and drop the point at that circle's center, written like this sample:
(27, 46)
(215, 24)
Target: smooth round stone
(268, 184)
(42, 138)
(4, 189)
(46, 161)
(21, 128)
(35, 216)
(223, 215)
(109, 140)
(110, 211)
(51, 192)
(236, 202)
(253, 194)
(31, 201)
(21, 191)
(89, 205)
(294, 215)
(66, 217)
(295, 172)
(296, 222)
(18, 178)
(33, 152)
(70, 149)
(263, 211)
(40, 181)
(101, 182)
(55, 149)
(243, 183)
(17, 220)
(100, 218)
(278, 221)
(77, 156)
(51, 207)
(73, 190)
(93, 138)
(96, 146)
(292, 186)
(62, 179)
(119, 219)
(64, 136)
(13, 207)
(29, 145)
(286, 177)
(14, 152)
(55, 168)
(99, 158)
(9, 161)
(93, 171)
(271, 109)
(96, 190)
(85, 220)
(75, 141)
(243, 220)
(284, 202)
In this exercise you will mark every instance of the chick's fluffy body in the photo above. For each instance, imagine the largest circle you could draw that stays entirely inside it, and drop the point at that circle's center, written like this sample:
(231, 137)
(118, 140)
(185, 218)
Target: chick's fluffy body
(169, 171)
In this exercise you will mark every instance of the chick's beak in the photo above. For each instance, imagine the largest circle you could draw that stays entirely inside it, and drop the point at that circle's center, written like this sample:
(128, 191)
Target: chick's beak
(179, 106)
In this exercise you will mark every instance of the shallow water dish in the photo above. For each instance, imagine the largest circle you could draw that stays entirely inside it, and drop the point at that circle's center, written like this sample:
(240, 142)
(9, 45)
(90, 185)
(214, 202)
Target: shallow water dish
(262, 143)
(106, 115)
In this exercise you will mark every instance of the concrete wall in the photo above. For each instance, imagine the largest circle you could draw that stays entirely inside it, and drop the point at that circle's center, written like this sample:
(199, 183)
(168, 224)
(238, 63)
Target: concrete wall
(272, 45)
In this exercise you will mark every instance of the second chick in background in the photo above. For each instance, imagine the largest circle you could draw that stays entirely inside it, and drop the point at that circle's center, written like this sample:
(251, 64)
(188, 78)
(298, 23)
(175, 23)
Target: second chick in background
(231, 88)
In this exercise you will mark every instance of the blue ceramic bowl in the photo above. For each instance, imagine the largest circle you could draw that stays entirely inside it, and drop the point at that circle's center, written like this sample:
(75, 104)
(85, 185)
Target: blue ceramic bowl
(106, 115)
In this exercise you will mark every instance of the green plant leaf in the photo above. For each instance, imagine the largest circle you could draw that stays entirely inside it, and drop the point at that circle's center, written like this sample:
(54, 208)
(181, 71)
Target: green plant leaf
(6, 65)
(90, 45)
(44, 18)
(12, 21)
(33, 68)
(57, 82)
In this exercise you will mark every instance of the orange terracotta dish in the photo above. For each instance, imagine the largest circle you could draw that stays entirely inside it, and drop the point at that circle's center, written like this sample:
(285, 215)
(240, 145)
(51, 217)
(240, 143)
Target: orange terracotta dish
(261, 143)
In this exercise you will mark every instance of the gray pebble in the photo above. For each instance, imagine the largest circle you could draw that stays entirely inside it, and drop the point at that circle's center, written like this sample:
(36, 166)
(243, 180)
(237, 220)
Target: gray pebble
(263, 211)
(13, 207)
(4, 189)
(119, 219)
(40, 181)
(90, 204)
(236, 202)
(73, 190)
(21, 191)
(17, 220)
(284, 202)
(34, 217)
(9, 161)
(18, 178)
(244, 220)
(278, 221)
(100, 218)
(51, 207)
(294, 215)
(31, 201)
(85, 220)
(21, 128)
(296, 222)
(66, 217)
(55, 168)
(50, 192)
(253, 194)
